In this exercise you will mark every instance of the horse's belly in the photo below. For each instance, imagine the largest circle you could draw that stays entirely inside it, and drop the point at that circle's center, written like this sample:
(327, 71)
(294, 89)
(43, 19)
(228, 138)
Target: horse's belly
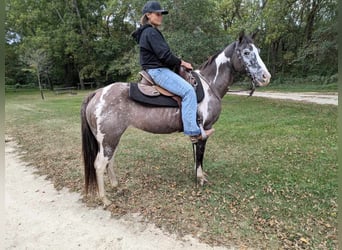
(156, 120)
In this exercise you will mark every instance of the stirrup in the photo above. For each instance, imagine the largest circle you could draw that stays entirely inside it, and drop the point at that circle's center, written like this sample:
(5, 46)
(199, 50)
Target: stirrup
(203, 136)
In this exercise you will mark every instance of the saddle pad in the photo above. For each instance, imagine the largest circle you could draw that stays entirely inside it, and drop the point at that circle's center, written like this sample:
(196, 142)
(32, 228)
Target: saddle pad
(159, 101)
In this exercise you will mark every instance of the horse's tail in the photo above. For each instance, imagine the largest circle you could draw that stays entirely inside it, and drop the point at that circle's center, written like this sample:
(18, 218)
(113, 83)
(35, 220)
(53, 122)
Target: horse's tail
(89, 149)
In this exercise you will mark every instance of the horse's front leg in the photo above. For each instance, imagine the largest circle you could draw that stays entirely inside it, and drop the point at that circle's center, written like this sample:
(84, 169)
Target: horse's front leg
(199, 155)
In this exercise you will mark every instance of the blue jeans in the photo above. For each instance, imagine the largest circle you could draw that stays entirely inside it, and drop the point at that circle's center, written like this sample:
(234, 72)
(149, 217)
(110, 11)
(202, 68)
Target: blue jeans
(174, 83)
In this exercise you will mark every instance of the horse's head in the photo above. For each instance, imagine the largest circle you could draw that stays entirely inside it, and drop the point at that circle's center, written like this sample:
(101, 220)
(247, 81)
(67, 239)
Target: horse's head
(247, 58)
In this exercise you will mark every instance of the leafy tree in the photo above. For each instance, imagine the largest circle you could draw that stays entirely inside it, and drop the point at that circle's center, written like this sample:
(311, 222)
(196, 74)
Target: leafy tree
(88, 40)
(38, 63)
(193, 30)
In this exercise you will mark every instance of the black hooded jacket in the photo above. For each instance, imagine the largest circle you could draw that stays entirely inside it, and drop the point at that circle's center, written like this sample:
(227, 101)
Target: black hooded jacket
(154, 51)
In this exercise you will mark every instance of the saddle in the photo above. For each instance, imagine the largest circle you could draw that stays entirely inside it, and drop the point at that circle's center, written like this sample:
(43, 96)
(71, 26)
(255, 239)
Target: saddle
(147, 92)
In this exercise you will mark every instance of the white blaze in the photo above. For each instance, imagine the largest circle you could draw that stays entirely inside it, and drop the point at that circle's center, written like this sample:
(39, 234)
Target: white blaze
(260, 62)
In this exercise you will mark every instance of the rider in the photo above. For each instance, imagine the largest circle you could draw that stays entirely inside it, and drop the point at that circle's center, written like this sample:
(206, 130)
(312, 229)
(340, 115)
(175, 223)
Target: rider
(158, 60)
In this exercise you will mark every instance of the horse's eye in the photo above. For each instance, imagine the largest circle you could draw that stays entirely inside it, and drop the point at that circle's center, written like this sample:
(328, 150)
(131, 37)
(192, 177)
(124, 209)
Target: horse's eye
(246, 53)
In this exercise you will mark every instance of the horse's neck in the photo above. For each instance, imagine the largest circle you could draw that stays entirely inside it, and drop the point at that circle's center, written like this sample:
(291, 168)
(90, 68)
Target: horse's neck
(219, 71)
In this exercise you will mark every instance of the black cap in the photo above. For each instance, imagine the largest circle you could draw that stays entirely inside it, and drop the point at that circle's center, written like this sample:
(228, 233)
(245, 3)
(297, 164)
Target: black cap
(153, 6)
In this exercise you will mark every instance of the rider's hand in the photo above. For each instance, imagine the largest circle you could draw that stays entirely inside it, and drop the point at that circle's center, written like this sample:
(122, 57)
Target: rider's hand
(186, 65)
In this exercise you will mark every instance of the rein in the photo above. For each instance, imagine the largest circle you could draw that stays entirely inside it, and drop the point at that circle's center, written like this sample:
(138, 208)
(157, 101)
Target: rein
(252, 89)
(252, 86)
(210, 87)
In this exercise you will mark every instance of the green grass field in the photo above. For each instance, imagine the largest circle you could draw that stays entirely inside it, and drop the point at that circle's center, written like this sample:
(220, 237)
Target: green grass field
(272, 168)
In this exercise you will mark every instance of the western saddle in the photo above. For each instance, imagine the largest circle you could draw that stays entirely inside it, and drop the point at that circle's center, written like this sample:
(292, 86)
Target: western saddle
(148, 87)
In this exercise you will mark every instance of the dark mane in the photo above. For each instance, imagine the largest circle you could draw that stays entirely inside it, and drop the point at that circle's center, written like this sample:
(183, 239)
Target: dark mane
(210, 60)
(244, 38)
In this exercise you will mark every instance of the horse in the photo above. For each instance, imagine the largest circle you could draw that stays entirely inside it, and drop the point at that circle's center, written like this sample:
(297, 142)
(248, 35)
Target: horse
(107, 112)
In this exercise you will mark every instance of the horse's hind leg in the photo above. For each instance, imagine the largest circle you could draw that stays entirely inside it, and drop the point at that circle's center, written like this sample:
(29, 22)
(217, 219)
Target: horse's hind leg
(100, 164)
(111, 173)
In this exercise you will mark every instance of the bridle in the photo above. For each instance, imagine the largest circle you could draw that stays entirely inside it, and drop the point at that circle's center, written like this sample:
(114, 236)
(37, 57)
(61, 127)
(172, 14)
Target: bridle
(252, 84)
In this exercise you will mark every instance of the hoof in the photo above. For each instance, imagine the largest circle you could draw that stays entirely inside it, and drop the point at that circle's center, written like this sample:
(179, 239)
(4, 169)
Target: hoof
(202, 181)
(201, 177)
(114, 184)
(106, 202)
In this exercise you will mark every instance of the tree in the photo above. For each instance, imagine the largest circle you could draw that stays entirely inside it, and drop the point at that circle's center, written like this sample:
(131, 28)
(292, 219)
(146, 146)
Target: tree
(90, 39)
(38, 63)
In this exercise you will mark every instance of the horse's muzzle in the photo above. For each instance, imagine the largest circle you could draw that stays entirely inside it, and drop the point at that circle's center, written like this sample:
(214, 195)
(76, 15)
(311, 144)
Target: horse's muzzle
(263, 79)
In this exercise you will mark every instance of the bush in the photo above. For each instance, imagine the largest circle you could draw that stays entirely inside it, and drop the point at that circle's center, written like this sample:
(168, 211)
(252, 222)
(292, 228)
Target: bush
(332, 79)
(311, 79)
(9, 81)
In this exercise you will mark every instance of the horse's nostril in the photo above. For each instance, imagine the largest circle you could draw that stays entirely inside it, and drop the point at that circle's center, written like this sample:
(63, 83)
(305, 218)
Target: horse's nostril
(266, 76)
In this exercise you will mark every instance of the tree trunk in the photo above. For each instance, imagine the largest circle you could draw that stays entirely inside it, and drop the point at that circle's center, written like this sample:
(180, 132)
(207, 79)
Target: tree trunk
(78, 15)
(40, 85)
(81, 80)
(310, 20)
(274, 51)
(49, 82)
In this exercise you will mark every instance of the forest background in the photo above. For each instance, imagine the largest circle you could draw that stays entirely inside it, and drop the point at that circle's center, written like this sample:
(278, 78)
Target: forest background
(73, 42)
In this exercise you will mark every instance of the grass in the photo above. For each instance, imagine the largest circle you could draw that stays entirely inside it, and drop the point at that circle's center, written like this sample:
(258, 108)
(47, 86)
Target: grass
(272, 167)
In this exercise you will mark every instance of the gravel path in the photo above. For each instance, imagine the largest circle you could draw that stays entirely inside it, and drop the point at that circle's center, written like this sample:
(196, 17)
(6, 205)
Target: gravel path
(312, 97)
(40, 217)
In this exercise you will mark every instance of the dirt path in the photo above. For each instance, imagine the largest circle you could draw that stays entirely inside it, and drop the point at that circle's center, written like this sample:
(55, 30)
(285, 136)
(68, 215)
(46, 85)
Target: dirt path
(40, 217)
(312, 97)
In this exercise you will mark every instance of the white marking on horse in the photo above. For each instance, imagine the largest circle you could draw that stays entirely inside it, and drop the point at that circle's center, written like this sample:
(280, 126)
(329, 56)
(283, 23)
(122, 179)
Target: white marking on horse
(201, 176)
(220, 59)
(203, 106)
(101, 161)
(255, 64)
(99, 118)
(111, 172)
(199, 171)
(260, 62)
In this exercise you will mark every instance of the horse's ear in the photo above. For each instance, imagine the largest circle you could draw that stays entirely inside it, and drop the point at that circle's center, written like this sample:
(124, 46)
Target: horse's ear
(241, 35)
(254, 34)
